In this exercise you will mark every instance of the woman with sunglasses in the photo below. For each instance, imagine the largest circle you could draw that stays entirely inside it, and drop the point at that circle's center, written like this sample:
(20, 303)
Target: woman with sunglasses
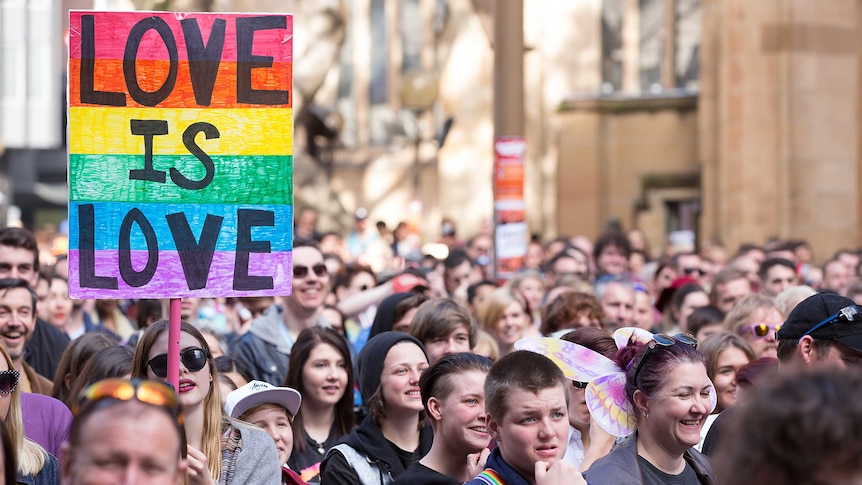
(756, 318)
(35, 465)
(219, 450)
(393, 436)
(453, 394)
(669, 395)
(321, 370)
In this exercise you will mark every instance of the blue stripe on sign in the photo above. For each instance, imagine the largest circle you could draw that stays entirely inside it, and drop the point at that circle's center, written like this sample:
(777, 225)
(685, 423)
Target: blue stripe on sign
(108, 218)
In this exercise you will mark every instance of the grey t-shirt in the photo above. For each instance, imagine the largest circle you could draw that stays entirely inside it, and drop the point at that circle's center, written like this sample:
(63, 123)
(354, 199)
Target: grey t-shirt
(654, 476)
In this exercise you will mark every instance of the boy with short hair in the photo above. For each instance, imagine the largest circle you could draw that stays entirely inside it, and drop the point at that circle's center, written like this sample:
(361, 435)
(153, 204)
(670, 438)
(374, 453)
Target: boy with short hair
(527, 399)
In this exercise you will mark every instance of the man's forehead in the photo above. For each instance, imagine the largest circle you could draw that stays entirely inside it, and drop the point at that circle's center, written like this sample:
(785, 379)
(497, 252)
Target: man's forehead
(307, 255)
(11, 253)
(8, 295)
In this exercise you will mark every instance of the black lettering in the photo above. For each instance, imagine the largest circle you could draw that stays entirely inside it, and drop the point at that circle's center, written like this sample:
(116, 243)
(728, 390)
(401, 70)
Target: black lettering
(203, 60)
(148, 129)
(130, 70)
(245, 220)
(196, 257)
(246, 61)
(87, 251)
(88, 67)
(189, 141)
(134, 278)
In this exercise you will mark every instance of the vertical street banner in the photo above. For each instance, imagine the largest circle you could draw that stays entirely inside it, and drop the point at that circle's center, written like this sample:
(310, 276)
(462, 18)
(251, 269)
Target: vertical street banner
(510, 224)
(180, 154)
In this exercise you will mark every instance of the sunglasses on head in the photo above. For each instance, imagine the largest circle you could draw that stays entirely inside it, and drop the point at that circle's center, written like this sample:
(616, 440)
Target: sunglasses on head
(154, 393)
(194, 359)
(761, 329)
(300, 272)
(146, 391)
(8, 381)
(848, 314)
(663, 340)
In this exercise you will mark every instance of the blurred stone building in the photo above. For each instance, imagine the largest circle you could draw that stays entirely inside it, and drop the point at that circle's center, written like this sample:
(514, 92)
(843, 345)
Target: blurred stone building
(736, 119)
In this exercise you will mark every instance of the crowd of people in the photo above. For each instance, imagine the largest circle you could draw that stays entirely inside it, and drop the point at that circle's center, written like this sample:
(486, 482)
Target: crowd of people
(390, 363)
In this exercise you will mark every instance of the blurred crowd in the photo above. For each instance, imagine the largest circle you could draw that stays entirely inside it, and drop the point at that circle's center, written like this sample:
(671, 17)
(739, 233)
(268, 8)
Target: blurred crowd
(351, 374)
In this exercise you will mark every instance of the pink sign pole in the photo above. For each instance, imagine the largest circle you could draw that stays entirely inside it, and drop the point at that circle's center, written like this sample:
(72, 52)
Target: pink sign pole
(174, 344)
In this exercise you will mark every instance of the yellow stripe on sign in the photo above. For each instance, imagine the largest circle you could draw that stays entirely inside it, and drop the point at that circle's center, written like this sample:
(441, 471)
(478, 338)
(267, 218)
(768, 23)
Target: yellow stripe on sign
(259, 131)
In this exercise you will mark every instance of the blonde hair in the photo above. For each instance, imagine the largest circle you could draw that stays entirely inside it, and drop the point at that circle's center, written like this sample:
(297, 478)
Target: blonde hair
(30, 456)
(494, 307)
(215, 421)
(485, 342)
(743, 309)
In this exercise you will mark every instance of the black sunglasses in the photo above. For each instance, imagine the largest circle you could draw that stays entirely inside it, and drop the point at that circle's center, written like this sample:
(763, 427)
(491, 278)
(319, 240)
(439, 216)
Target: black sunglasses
(580, 385)
(8, 381)
(689, 271)
(663, 340)
(194, 359)
(300, 272)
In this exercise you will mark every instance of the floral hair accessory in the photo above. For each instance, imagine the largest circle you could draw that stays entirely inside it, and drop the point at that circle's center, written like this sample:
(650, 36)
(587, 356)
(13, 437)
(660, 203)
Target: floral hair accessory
(605, 394)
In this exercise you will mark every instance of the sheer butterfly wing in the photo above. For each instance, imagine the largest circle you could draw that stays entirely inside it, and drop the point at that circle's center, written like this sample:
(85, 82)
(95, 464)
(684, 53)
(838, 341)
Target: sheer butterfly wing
(577, 362)
(606, 400)
(623, 335)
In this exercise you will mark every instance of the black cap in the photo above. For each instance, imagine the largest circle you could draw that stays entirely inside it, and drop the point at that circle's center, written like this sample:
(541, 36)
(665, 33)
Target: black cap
(817, 308)
(369, 362)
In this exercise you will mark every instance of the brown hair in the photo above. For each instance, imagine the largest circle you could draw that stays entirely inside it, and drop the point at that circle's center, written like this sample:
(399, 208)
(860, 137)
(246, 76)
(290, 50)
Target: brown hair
(567, 308)
(307, 341)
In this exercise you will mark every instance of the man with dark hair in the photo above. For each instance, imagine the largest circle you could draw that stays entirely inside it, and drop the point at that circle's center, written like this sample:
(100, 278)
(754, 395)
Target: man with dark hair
(457, 269)
(850, 260)
(17, 319)
(836, 277)
(611, 253)
(19, 258)
(265, 349)
(729, 286)
(568, 262)
(527, 400)
(443, 327)
(776, 275)
(688, 264)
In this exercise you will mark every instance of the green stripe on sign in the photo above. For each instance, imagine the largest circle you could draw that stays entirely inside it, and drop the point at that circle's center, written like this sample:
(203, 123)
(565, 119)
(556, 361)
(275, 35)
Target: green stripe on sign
(256, 179)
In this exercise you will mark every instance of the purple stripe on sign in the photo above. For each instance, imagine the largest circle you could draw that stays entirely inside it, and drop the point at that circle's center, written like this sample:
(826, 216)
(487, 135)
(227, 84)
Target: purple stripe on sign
(170, 279)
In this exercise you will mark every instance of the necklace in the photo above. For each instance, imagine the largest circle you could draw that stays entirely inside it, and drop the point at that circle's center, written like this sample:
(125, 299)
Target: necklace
(320, 448)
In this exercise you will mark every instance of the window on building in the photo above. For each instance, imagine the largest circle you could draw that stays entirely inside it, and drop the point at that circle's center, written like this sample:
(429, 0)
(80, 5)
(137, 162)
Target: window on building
(649, 46)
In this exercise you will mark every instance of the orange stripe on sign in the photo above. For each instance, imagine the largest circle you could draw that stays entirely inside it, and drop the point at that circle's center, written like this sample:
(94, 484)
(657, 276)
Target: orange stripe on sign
(151, 75)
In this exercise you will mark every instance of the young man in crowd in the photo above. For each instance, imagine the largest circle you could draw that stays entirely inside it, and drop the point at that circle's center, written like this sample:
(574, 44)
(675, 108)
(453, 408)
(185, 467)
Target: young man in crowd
(527, 403)
(19, 258)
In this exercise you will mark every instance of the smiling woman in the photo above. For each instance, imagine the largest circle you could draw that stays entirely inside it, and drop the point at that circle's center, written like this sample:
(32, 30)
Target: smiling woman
(453, 394)
(392, 436)
(670, 395)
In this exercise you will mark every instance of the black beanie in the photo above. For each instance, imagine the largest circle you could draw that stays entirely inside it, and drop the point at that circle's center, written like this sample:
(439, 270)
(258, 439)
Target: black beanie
(369, 363)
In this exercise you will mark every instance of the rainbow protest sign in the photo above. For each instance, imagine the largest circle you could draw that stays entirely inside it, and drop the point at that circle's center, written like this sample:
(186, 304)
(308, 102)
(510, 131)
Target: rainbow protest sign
(180, 154)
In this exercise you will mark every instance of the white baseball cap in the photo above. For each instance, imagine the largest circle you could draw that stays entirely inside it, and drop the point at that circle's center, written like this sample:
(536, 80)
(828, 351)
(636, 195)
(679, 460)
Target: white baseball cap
(256, 393)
